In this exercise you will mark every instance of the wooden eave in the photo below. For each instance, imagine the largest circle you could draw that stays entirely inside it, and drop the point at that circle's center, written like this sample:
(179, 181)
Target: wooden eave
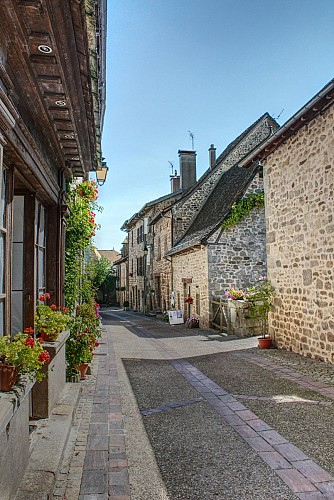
(57, 85)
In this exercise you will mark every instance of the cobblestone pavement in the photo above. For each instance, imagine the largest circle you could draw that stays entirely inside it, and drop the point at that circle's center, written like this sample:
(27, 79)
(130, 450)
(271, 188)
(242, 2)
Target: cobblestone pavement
(169, 415)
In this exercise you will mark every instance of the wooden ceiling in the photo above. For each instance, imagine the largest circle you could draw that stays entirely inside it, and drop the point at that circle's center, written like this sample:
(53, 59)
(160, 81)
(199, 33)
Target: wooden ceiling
(49, 62)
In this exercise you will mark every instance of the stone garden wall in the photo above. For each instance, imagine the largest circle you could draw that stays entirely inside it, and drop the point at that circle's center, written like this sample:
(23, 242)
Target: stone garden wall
(299, 186)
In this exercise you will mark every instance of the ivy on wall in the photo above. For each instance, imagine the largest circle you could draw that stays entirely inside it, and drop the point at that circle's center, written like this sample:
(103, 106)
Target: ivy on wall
(80, 229)
(242, 208)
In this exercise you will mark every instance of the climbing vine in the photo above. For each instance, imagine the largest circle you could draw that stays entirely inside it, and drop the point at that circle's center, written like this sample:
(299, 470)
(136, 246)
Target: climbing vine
(242, 208)
(80, 229)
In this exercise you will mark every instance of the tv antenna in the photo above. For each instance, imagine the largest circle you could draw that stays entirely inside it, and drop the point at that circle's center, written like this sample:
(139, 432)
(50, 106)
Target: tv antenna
(171, 166)
(191, 135)
(277, 117)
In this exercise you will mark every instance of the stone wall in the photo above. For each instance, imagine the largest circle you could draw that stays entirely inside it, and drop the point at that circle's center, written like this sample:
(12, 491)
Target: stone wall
(161, 271)
(237, 255)
(190, 275)
(185, 210)
(299, 186)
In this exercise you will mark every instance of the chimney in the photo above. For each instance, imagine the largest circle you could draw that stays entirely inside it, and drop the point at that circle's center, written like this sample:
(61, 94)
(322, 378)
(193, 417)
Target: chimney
(212, 156)
(175, 182)
(187, 168)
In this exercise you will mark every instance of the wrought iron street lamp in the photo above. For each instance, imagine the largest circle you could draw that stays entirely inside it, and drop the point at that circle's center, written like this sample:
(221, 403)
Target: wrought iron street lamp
(101, 174)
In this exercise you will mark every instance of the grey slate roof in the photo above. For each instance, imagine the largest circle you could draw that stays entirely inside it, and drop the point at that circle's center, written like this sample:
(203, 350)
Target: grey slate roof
(230, 187)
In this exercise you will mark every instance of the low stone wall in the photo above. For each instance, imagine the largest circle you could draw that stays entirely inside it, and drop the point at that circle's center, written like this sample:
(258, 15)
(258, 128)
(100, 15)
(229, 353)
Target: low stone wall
(46, 393)
(239, 320)
(14, 437)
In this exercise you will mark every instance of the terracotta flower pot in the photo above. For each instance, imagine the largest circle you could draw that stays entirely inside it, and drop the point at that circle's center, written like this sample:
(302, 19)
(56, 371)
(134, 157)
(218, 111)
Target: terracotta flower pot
(46, 337)
(8, 377)
(264, 343)
(83, 370)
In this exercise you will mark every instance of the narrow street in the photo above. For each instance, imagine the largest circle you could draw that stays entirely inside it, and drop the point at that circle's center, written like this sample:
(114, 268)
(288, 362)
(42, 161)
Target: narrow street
(169, 413)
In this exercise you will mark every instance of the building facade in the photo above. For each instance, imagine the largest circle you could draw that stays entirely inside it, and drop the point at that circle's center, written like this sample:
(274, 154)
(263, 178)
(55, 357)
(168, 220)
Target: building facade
(299, 187)
(52, 98)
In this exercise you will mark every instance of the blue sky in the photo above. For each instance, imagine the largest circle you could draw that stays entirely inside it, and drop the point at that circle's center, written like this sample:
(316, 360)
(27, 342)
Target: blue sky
(211, 67)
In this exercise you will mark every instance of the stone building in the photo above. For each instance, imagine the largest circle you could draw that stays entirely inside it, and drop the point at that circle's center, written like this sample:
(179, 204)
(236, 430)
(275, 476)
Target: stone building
(52, 99)
(299, 193)
(122, 274)
(206, 258)
(188, 253)
(142, 296)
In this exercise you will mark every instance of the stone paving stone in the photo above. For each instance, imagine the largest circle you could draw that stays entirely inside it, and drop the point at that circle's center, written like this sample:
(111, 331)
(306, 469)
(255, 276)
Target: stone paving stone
(96, 459)
(99, 418)
(273, 437)
(290, 452)
(327, 488)
(259, 444)
(233, 420)
(311, 496)
(120, 478)
(236, 406)
(95, 481)
(245, 431)
(119, 490)
(275, 460)
(295, 480)
(97, 442)
(103, 496)
(312, 471)
(99, 428)
(246, 415)
(259, 425)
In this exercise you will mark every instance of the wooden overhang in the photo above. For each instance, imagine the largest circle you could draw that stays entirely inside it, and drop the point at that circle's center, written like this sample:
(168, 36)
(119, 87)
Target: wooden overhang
(52, 75)
(317, 105)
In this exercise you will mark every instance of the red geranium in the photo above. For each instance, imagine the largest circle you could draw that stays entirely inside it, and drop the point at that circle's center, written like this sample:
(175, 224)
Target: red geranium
(30, 342)
(44, 357)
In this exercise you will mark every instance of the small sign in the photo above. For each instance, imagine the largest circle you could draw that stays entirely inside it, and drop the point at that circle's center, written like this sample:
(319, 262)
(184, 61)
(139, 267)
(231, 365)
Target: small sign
(175, 317)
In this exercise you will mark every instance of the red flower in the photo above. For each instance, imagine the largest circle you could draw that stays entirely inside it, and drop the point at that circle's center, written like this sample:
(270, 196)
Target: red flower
(97, 344)
(40, 340)
(30, 342)
(44, 357)
(53, 307)
(65, 309)
(29, 330)
(44, 297)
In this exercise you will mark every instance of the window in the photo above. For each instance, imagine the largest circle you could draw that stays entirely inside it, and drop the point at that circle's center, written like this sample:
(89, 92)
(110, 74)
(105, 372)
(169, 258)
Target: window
(140, 234)
(18, 264)
(140, 266)
(3, 233)
(39, 249)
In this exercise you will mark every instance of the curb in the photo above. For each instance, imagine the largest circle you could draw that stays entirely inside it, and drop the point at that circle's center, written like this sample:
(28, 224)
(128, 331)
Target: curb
(48, 451)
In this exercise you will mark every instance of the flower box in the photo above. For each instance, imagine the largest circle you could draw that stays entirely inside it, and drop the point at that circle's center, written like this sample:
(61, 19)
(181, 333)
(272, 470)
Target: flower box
(46, 393)
(14, 437)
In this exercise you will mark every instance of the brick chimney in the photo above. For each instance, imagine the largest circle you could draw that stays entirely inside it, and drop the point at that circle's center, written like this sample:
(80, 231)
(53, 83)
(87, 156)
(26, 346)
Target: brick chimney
(212, 156)
(187, 168)
(175, 182)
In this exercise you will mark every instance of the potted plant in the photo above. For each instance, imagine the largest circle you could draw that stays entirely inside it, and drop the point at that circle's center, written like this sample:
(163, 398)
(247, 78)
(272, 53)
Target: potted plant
(85, 330)
(235, 293)
(260, 297)
(192, 322)
(51, 320)
(21, 355)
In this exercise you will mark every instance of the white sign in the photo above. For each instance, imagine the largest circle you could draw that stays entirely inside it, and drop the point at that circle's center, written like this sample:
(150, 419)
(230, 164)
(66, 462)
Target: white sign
(175, 317)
